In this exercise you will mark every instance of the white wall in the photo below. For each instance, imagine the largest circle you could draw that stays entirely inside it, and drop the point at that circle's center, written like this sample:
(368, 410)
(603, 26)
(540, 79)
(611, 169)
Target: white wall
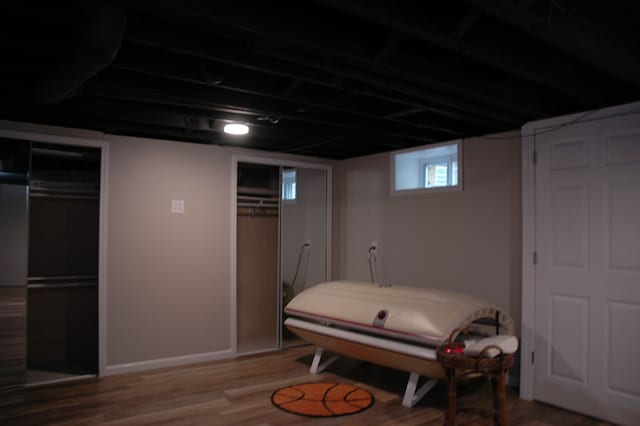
(467, 241)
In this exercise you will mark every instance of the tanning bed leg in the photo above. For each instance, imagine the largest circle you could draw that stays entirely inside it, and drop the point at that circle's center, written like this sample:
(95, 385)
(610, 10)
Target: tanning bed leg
(411, 396)
(316, 367)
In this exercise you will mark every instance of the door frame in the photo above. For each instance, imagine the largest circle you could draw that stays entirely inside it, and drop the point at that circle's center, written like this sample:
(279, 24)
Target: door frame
(529, 130)
(92, 140)
(279, 162)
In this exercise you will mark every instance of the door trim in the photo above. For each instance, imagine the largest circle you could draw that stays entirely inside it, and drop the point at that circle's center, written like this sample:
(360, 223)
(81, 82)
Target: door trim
(529, 130)
(272, 161)
(92, 141)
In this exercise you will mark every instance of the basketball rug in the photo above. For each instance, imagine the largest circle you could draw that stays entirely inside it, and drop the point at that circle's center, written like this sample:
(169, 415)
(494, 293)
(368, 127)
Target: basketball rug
(322, 399)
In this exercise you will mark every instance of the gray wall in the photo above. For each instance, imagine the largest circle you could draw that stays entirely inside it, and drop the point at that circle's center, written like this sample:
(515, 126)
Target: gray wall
(168, 283)
(168, 274)
(467, 241)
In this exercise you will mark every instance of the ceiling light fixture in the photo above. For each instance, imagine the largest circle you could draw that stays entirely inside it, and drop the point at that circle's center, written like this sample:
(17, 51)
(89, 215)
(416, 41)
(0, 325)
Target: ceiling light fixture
(236, 129)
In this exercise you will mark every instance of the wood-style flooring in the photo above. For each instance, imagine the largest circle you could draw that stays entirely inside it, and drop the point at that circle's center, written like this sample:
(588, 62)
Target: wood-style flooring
(237, 392)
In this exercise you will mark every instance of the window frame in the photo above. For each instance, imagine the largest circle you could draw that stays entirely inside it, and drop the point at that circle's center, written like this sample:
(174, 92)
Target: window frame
(421, 165)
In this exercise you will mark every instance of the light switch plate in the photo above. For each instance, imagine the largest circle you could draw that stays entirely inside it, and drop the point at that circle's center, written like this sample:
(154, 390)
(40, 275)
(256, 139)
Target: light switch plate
(177, 206)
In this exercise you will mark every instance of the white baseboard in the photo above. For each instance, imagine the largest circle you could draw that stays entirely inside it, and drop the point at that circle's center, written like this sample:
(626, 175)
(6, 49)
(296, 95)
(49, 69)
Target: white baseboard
(152, 364)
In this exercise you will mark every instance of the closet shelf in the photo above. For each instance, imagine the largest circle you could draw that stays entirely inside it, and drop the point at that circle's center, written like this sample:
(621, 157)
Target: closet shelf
(63, 193)
(63, 281)
(258, 202)
(62, 285)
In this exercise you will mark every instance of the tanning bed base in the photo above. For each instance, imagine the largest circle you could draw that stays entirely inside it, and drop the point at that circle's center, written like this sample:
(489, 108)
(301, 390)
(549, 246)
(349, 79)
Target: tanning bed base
(416, 360)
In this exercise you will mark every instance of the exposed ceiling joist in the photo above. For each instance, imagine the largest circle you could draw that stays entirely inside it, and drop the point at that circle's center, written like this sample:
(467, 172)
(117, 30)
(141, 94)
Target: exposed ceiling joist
(534, 71)
(563, 29)
(325, 78)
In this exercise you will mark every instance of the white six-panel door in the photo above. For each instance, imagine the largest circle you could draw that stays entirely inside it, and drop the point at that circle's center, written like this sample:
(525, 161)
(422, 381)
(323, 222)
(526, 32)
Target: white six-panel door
(587, 277)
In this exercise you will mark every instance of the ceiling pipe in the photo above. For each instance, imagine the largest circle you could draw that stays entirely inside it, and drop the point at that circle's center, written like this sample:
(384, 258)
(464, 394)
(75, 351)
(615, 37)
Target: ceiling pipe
(99, 40)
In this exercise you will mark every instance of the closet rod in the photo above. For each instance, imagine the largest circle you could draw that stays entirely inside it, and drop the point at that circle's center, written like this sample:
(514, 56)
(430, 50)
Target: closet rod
(257, 198)
(257, 215)
(55, 278)
(263, 205)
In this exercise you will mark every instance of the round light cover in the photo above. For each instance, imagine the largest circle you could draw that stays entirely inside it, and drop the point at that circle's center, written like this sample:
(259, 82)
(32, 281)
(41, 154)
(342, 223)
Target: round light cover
(236, 129)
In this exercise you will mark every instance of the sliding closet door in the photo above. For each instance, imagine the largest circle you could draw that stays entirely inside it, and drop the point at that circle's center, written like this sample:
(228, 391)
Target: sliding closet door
(304, 231)
(303, 234)
(14, 166)
(62, 308)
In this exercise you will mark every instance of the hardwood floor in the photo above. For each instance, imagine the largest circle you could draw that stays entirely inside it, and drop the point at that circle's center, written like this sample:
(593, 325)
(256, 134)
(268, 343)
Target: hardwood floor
(237, 392)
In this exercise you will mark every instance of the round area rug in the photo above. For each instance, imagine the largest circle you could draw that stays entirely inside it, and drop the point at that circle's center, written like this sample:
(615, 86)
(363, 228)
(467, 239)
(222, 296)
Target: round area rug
(322, 399)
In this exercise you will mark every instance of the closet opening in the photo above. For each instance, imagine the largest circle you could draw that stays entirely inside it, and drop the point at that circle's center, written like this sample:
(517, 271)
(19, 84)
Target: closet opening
(258, 210)
(62, 284)
(281, 247)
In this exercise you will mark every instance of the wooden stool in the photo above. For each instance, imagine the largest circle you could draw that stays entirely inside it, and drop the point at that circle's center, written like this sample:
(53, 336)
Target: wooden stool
(456, 364)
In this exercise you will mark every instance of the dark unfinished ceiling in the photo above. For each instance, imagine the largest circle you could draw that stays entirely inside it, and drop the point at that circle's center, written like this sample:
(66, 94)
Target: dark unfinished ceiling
(326, 78)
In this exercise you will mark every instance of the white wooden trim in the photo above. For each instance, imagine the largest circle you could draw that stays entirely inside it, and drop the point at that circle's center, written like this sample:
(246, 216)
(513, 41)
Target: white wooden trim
(529, 130)
(329, 217)
(527, 332)
(104, 190)
(281, 162)
(153, 364)
(104, 262)
(233, 257)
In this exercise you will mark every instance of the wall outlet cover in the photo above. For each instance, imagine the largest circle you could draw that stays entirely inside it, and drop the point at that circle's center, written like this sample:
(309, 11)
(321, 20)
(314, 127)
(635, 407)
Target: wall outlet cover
(177, 206)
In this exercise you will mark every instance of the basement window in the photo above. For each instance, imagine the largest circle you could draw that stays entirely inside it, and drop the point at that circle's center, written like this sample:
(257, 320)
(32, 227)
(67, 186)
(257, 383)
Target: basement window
(289, 185)
(428, 168)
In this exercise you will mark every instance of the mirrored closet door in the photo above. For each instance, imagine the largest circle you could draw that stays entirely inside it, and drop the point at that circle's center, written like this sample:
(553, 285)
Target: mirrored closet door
(303, 235)
(49, 229)
(62, 287)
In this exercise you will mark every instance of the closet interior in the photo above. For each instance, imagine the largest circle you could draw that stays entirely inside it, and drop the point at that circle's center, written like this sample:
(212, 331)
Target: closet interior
(258, 208)
(14, 190)
(62, 284)
(281, 248)
(49, 229)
